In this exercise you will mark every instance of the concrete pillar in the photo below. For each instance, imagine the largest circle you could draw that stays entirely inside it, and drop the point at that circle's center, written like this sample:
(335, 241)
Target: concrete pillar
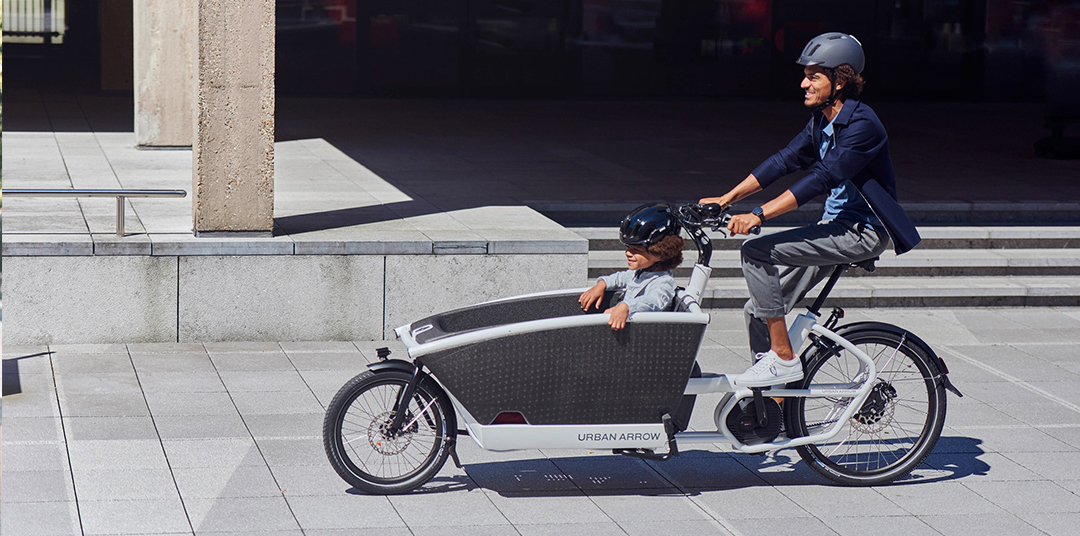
(164, 72)
(233, 153)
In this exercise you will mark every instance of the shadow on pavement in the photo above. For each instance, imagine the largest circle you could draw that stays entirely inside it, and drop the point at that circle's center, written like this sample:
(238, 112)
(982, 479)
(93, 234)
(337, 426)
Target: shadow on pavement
(12, 381)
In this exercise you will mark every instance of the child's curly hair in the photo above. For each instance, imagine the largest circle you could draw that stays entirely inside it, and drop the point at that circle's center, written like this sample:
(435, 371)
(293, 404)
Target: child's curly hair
(669, 249)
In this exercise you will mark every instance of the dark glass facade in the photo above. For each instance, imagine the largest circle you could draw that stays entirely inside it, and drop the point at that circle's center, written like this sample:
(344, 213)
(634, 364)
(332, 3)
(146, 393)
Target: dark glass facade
(957, 49)
(916, 49)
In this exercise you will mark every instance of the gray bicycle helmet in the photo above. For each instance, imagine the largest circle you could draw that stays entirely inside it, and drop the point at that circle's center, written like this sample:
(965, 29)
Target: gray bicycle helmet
(648, 224)
(833, 49)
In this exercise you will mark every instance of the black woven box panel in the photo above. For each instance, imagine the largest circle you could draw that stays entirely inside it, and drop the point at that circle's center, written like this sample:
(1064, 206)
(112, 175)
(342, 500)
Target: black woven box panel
(501, 313)
(583, 375)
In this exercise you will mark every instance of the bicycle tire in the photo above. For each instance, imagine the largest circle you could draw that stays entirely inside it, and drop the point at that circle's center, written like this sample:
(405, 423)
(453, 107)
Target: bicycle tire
(355, 439)
(891, 434)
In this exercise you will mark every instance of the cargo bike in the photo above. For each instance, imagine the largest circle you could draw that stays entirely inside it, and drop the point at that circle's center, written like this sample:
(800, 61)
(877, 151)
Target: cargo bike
(537, 372)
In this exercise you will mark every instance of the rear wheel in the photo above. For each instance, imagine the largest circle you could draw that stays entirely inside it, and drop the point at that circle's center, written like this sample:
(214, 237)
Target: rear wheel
(895, 429)
(361, 447)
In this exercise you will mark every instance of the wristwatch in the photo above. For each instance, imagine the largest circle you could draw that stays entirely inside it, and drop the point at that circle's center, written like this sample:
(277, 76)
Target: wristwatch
(759, 213)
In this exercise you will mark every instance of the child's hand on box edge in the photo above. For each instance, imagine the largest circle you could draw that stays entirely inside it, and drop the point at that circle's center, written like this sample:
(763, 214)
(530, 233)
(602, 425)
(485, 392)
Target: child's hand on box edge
(619, 313)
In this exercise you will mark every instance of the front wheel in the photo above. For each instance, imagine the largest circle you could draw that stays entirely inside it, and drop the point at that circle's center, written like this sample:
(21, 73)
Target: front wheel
(895, 429)
(360, 446)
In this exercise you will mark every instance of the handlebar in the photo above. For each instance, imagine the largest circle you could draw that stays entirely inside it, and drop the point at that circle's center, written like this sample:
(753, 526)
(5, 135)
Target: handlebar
(711, 215)
(694, 216)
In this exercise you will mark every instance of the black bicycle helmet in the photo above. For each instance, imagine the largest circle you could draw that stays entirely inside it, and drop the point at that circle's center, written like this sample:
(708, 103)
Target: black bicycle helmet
(833, 49)
(648, 224)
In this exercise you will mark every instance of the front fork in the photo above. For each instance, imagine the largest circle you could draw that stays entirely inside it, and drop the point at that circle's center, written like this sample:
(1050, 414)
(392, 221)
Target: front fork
(401, 408)
(406, 394)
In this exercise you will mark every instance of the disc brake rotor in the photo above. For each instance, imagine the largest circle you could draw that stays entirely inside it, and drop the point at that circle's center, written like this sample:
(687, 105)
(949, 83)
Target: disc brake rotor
(380, 439)
(877, 412)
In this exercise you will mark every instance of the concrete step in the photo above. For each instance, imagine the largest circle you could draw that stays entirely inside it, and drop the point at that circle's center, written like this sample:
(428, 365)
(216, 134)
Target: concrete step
(916, 263)
(934, 237)
(922, 213)
(1000, 291)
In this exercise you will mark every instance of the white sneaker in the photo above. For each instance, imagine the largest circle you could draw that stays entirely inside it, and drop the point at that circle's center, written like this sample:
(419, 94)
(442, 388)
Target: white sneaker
(769, 370)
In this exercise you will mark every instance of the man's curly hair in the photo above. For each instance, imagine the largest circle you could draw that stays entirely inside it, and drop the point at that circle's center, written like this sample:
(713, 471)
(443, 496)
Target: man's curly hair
(853, 82)
(669, 249)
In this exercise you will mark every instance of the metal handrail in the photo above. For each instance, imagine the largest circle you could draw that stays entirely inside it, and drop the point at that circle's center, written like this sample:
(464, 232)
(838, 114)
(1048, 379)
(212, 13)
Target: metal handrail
(119, 194)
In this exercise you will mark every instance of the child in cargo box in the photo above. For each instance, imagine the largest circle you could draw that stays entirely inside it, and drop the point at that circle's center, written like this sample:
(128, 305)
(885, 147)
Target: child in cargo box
(653, 249)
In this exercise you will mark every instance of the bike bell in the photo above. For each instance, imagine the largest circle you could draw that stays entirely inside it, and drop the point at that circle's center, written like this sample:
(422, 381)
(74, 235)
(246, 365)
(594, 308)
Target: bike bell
(648, 224)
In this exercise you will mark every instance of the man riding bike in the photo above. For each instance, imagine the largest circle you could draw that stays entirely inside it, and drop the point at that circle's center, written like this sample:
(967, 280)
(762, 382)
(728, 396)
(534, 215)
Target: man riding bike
(845, 150)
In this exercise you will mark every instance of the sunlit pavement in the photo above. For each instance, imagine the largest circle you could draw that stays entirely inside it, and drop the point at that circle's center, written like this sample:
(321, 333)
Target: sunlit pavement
(226, 438)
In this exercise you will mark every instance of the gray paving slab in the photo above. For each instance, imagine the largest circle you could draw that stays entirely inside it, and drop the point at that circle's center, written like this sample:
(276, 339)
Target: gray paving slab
(35, 457)
(305, 361)
(1067, 434)
(124, 484)
(220, 453)
(224, 426)
(345, 512)
(942, 499)
(109, 428)
(751, 502)
(285, 425)
(254, 362)
(34, 519)
(278, 452)
(263, 381)
(205, 403)
(186, 362)
(120, 404)
(240, 347)
(980, 524)
(468, 507)
(479, 530)
(33, 429)
(38, 487)
(226, 514)
(264, 404)
(117, 454)
(882, 525)
(790, 526)
(304, 480)
(74, 363)
(159, 516)
(981, 466)
(1055, 466)
(105, 383)
(181, 382)
(1053, 524)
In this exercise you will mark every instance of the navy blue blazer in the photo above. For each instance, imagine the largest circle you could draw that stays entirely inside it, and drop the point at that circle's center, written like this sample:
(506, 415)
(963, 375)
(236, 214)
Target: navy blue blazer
(861, 155)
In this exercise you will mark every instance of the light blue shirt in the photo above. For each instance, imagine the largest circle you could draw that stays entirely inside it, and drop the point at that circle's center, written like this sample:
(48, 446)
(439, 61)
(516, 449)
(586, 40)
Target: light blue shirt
(645, 291)
(844, 202)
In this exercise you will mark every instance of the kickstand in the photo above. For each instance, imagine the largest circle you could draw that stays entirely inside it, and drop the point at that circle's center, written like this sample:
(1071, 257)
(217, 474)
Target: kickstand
(452, 445)
(648, 454)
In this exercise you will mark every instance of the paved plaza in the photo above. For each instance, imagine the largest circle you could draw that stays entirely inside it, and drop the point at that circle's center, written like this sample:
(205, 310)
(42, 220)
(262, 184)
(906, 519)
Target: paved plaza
(226, 438)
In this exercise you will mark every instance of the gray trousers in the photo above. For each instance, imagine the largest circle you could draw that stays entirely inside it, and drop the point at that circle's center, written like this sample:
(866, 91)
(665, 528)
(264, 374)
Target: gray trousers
(781, 268)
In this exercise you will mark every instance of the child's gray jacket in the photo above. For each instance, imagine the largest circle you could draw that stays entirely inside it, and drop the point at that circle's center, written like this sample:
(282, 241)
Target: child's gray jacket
(645, 291)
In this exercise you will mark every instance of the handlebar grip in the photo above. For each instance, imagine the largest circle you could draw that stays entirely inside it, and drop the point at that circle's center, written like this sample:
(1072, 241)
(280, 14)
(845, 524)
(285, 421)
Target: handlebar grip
(755, 229)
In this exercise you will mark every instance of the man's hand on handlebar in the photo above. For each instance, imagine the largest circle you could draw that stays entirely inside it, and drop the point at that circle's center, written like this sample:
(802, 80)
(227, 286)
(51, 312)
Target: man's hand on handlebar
(744, 224)
(723, 200)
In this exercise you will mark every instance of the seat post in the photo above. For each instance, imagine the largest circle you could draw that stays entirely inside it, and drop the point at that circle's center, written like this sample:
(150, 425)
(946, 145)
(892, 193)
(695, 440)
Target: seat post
(837, 272)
